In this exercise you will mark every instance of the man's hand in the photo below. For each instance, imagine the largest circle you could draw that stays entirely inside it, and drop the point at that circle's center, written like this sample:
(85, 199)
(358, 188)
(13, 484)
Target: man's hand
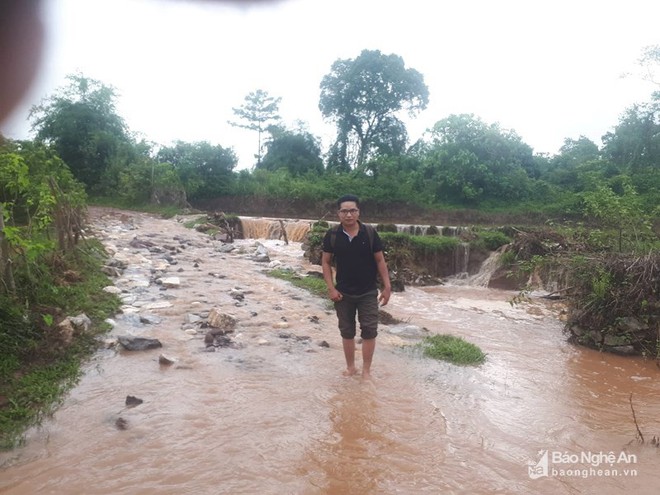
(385, 296)
(335, 295)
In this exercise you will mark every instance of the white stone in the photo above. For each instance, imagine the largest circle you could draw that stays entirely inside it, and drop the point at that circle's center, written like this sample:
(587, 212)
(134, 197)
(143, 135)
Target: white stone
(163, 359)
(171, 282)
(158, 305)
(127, 309)
(111, 289)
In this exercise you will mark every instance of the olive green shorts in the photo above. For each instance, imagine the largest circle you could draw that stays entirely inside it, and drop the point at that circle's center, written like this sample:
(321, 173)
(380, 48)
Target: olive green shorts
(365, 306)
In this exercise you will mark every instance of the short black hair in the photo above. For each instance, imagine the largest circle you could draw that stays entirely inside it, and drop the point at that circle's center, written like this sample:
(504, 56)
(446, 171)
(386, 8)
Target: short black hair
(348, 197)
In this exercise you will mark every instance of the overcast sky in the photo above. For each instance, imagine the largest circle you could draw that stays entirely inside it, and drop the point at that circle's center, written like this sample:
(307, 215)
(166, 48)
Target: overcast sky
(548, 69)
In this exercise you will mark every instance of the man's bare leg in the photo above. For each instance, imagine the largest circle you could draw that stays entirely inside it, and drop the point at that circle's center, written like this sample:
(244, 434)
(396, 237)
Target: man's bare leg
(368, 347)
(349, 354)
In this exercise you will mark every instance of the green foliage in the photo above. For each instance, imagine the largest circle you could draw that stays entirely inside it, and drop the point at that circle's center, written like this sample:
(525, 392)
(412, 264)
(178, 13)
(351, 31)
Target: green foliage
(455, 350)
(205, 170)
(38, 197)
(362, 96)
(33, 393)
(87, 295)
(508, 259)
(81, 123)
(257, 112)
(492, 239)
(17, 335)
(635, 142)
(622, 212)
(317, 233)
(36, 368)
(468, 161)
(531, 264)
(426, 244)
(600, 285)
(297, 152)
(433, 244)
(611, 288)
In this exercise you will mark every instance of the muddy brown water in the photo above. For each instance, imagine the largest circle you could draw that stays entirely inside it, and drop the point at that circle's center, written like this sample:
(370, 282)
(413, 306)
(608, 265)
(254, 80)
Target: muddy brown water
(275, 415)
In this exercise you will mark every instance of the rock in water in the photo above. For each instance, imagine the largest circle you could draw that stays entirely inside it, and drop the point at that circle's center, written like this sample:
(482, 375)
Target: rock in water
(131, 343)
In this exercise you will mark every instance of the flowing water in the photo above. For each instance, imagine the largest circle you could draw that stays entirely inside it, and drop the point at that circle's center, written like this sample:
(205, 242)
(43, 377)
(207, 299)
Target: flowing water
(272, 413)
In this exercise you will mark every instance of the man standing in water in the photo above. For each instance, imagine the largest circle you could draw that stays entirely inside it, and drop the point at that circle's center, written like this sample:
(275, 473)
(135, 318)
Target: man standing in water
(358, 254)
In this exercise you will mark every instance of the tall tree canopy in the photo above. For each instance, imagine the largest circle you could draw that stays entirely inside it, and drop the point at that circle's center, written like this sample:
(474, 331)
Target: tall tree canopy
(363, 96)
(257, 113)
(81, 122)
(296, 151)
(635, 142)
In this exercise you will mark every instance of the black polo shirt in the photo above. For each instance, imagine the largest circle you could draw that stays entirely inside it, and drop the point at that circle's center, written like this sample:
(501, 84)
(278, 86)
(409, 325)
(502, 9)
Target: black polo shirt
(355, 263)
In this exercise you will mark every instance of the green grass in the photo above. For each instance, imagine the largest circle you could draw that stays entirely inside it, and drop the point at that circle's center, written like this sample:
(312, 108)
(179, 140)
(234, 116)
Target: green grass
(429, 244)
(36, 370)
(314, 285)
(452, 349)
(34, 393)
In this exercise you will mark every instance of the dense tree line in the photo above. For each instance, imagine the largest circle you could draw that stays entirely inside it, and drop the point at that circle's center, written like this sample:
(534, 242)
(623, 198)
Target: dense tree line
(461, 161)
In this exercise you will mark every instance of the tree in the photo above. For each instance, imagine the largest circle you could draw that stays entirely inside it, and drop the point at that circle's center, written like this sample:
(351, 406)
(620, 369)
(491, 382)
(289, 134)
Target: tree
(635, 142)
(38, 196)
(471, 161)
(564, 167)
(258, 112)
(205, 169)
(81, 122)
(363, 96)
(618, 211)
(298, 152)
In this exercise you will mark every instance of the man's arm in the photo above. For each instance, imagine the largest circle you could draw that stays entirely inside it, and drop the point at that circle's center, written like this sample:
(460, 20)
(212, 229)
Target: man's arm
(384, 276)
(326, 260)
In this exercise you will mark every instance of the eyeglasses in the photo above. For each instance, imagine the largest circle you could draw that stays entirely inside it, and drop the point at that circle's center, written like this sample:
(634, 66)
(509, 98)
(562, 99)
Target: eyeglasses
(352, 211)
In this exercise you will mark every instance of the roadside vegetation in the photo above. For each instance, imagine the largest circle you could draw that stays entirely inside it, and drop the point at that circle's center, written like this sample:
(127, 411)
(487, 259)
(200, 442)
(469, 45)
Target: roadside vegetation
(49, 271)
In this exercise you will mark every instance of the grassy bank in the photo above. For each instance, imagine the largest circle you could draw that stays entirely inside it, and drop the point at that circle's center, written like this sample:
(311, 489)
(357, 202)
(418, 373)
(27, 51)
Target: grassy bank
(38, 366)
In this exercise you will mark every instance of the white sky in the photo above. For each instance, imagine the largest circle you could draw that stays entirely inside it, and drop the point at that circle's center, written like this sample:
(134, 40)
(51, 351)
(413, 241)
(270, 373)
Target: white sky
(548, 69)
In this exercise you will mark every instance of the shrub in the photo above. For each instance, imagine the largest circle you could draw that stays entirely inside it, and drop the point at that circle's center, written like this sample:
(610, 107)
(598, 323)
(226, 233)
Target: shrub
(492, 240)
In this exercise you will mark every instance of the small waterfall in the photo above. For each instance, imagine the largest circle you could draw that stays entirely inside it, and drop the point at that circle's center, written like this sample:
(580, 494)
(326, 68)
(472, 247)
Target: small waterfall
(269, 228)
(482, 277)
(461, 258)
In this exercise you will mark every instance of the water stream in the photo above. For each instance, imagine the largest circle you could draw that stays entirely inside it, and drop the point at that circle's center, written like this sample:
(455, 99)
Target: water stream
(272, 414)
